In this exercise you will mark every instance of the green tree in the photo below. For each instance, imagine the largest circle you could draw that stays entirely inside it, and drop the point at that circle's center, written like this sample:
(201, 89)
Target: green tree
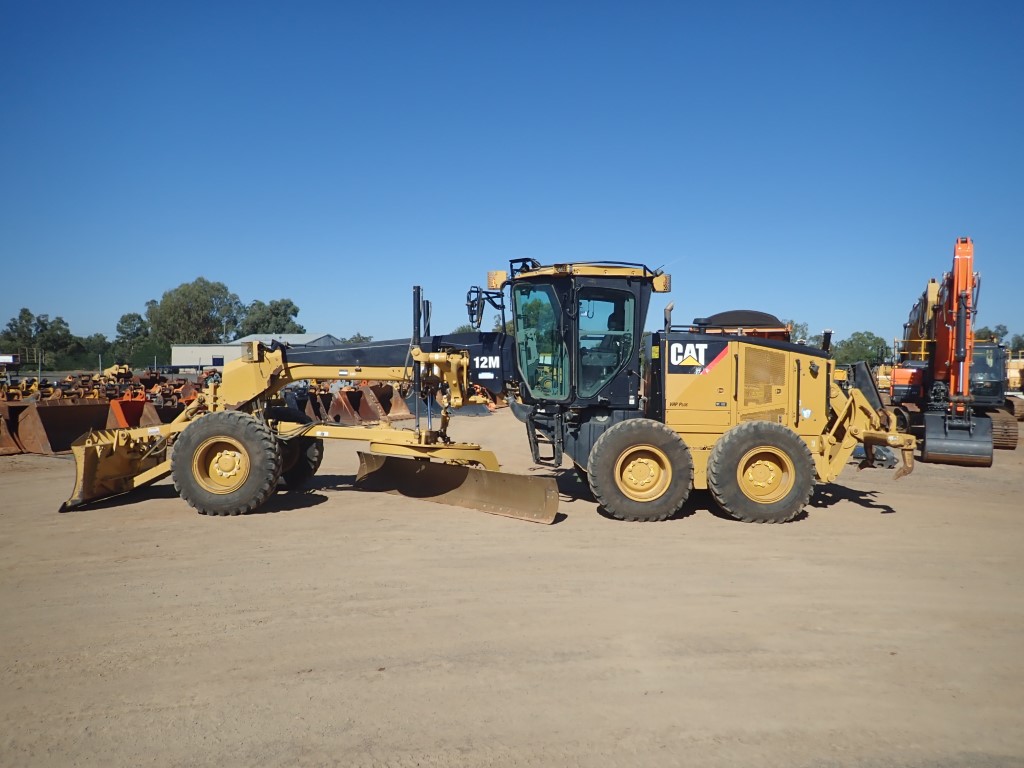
(508, 327)
(19, 334)
(1017, 342)
(540, 315)
(50, 344)
(998, 332)
(132, 332)
(464, 328)
(357, 338)
(199, 312)
(53, 335)
(276, 317)
(798, 330)
(150, 351)
(862, 345)
(83, 353)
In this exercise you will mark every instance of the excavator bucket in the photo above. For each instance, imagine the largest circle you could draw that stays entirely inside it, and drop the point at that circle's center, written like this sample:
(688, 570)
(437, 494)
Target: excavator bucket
(318, 405)
(390, 400)
(498, 493)
(132, 413)
(965, 442)
(369, 407)
(8, 444)
(51, 426)
(344, 407)
(167, 413)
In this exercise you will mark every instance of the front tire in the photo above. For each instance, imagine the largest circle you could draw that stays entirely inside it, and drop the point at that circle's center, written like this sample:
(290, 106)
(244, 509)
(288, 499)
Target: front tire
(761, 472)
(640, 470)
(225, 463)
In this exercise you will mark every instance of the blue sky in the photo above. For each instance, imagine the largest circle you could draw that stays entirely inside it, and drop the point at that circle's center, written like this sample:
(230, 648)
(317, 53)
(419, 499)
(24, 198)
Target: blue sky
(813, 160)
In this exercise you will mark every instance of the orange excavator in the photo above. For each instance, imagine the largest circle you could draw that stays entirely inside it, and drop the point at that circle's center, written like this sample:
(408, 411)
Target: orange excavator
(931, 380)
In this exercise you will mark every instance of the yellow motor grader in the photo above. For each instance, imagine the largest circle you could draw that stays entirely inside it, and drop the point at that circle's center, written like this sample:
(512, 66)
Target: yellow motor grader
(717, 405)
(645, 418)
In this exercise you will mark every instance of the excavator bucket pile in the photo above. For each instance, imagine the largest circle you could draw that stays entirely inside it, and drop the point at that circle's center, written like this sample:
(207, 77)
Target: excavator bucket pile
(367, 404)
(520, 496)
(51, 426)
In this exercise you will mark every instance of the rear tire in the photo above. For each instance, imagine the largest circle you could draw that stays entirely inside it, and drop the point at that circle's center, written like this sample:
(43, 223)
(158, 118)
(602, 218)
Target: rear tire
(300, 456)
(225, 463)
(761, 472)
(640, 470)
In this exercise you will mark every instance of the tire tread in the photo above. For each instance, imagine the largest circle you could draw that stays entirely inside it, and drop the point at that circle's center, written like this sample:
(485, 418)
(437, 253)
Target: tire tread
(722, 473)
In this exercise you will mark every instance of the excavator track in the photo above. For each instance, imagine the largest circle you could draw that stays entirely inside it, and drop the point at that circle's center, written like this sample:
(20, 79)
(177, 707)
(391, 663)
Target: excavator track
(1016, 404)
(1004, 430)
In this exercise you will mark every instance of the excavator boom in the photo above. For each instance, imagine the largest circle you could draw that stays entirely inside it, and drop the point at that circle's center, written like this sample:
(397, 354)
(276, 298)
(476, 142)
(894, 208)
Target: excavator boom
(931, 383)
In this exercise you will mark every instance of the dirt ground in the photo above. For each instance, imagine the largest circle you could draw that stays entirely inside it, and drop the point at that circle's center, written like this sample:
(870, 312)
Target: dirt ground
(884, 628)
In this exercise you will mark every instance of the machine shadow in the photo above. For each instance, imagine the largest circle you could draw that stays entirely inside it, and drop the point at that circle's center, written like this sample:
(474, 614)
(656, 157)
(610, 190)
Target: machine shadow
(146, 493)
(830, 494)
(312, 495)
(716, 511)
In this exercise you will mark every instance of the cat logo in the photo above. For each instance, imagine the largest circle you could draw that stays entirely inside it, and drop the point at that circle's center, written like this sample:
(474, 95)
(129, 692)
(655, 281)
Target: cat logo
(687, 355)
(694, 357)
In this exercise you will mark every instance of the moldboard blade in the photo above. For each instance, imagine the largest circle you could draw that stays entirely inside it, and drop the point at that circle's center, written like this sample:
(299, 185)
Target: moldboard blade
(498, 493)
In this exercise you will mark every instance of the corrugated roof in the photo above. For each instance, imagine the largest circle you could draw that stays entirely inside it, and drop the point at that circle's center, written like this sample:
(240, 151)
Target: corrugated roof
(287, 338)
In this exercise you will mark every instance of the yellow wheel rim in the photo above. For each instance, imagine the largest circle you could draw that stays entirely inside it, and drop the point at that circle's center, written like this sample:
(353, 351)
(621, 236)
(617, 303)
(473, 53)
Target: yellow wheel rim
(220, 465)
(643, 472)
(766, 474)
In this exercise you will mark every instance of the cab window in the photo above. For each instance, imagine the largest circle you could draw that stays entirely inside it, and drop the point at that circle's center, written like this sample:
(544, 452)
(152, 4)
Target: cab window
(606, 327)
(540, 347)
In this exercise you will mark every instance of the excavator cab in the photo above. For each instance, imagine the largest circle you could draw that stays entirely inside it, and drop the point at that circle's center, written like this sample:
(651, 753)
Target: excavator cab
(988, 375)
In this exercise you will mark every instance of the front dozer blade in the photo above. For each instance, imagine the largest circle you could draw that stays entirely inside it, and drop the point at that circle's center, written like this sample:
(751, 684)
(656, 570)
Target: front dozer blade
(109, 463)
(498, 493)
(966, 442)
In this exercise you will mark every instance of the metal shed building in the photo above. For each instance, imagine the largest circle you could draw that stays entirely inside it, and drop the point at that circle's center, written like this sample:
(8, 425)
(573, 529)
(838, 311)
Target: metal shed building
(216, 355)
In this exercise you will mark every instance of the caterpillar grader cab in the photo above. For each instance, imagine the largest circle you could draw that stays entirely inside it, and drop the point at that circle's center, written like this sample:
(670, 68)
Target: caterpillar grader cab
(755, 419)
(933, 384)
